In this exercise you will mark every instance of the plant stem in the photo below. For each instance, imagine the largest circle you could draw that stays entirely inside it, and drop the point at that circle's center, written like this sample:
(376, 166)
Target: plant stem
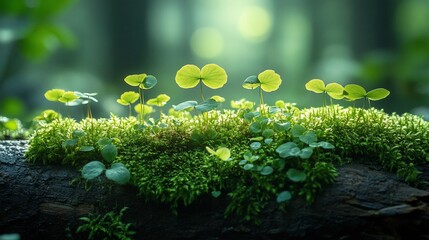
(201, 90)
(141, 105)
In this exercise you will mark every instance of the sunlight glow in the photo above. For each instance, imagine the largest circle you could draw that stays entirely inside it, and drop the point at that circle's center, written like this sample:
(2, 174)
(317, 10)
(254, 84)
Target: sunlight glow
(207, 42)
(255, 23)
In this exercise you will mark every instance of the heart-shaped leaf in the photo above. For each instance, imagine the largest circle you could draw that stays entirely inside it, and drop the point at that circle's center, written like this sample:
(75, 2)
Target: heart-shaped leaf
(216, 194)
(315, 85)
(377, 94)
(283, 196)
(109, 152)
(354, 92)
(118, 173)
(128, 98)
(212, 75)
(92, 169)
(68, 97)
(296, 175)
(270, 80)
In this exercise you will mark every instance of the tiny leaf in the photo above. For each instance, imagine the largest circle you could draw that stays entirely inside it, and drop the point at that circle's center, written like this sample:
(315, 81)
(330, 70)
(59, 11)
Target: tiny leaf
(207, 105)
(354, 91)
(267, 170)
(377, 94)
(128, 98)
(255, 145)
(135, 79)
(185, 105)
(315, 85)
(54, 94)
(296, 175)
(270, 80)
(109, 152)
(118, 173)
(283, 196)
(213, 76)
(251, 82)
(86, 148)
(92, 169)
(216, 194)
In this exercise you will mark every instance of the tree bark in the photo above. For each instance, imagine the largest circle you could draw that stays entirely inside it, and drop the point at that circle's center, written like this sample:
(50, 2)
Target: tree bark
(39, 202)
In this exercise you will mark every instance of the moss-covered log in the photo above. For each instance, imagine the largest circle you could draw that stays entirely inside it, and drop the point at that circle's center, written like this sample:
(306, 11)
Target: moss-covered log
(42, 202)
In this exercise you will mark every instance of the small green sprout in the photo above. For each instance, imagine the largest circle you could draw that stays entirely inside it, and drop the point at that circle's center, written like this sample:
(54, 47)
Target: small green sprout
(354, 92)
(334, 90)
(159, 101)
(68, 97)
(268, 81)
(142, 81)
(222, 153)
(118, 173)
(128, 98)
(211, 75)
(84, 99)
(54, 95)
(47, 116)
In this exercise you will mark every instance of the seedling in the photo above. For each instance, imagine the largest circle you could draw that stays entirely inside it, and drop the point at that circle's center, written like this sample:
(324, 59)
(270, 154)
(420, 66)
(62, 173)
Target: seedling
(334, 90)
(128, 98)
(222, 153)
(84, 99)
(142, 81)
(60, 95)
(268, 81)
(211, 75)
(354, 92)
(159, 101)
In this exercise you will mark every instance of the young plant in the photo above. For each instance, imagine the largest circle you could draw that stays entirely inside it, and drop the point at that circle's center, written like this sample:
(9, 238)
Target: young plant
(159, 101)
(128, 98)
(354, 92)
(84, 99)
(334, 90)
(211, 75)
(143, 82)
(108, 226)
(267, 81)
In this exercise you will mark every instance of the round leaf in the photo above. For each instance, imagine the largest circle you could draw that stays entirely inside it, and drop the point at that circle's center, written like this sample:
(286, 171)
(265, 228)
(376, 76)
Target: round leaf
(335, 90)
(118, 173)
(255, 145)
(92, 170)
(149, 82)
(213, 76)
(308, 137)
(296, 175)
(306, 153)
(377, 94)
(128, 98)
(283, 196)
(143, 109)
(135, 79)
(267, 170)
(78, 133)
(354, 91)
(185, 105)
(297, 130)
(54, 94)
(248, 166)
(270, 80)
(251, 82)
(188, 76)
(315, 85)
(109, 152)
(267, 133)
(104, 141)
(223, 153)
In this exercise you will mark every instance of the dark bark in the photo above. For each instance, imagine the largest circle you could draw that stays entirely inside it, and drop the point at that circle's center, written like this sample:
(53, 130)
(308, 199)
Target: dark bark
(39, 202)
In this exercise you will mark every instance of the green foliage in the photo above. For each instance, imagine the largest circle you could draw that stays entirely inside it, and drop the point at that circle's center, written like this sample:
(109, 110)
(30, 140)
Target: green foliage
(267, 80)
(211, 75)
(109, 226)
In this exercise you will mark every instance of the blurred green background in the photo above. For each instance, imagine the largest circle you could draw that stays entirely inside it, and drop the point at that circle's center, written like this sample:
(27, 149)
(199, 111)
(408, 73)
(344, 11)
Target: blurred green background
(90, 46)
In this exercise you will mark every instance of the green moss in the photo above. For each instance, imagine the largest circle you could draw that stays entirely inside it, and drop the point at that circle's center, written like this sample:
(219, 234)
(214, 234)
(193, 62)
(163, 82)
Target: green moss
(169, 162)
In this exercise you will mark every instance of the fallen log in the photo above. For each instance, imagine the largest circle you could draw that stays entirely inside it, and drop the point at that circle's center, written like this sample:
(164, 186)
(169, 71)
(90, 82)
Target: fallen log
(40, 202)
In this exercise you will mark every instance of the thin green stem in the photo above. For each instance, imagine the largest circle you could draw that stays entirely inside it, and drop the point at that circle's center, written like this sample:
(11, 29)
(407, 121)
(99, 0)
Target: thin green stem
(261, 99)
(201, 90)
(141, 105)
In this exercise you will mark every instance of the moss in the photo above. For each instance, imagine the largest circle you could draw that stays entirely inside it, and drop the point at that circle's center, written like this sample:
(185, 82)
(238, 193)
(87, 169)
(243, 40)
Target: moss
(169, 163)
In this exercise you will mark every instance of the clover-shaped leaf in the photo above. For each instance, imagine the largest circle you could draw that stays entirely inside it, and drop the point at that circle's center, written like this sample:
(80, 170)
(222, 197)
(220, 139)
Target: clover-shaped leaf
(159, 101)
(143, 80)
(212, 75)
(67, 97)
(334, 90)
(222, 153)
(268, 80)
(128, 98)
(54, 94)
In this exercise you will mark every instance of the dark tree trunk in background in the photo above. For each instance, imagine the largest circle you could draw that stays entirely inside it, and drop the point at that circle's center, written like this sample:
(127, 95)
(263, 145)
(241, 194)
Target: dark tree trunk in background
(39, 202)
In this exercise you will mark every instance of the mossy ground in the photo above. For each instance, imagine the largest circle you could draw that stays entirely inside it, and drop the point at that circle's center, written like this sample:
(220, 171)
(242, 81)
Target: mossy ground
(169, 162)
